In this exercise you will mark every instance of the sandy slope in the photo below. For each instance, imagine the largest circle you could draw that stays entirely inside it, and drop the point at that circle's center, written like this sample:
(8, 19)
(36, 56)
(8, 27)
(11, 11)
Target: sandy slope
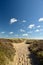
(21, 57)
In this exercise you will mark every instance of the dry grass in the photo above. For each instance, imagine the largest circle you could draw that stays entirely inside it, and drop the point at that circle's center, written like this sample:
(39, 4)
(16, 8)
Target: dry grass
(7, 53)
(7, 50)
(17, 40)
(13, 40)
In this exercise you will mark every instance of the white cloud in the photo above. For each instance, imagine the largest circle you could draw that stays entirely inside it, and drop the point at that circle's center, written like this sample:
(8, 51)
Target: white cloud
(21, 30)
(2, 32)
(24, 21)
(13, 20)
(10, 32)
(38, 26)
(31, 26)
(40, 20)
(25, 34)
(37, 30)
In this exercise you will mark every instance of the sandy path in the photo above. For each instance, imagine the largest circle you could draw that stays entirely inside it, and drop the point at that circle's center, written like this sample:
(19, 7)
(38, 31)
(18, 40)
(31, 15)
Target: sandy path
(21, 57)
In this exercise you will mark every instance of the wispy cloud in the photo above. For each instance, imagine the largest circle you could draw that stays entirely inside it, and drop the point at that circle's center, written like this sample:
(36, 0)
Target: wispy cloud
(22, 30)
(31, 26)
(11, 32)
(2, 32)
(25, 34)
(24, 21)
(37, 30)
(40, 20)
(38, 26)
(13, 20)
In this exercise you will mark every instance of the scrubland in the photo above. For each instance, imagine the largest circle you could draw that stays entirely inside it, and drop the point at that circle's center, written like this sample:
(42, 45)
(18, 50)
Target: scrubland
(36, 49)
(9, 48)
(7, 52)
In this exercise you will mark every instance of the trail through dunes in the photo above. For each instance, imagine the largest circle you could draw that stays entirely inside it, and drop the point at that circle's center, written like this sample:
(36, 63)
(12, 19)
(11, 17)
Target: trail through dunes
(22, 52)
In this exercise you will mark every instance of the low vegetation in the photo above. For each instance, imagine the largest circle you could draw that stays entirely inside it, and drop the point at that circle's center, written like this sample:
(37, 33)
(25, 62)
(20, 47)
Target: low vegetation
(29, 41)
(13, 40)
(7, 53)
(17, 40)
(36, 47)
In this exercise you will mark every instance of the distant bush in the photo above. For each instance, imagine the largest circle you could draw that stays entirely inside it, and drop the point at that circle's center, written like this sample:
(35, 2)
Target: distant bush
(18, 40)
(29, 41)
(14, 40)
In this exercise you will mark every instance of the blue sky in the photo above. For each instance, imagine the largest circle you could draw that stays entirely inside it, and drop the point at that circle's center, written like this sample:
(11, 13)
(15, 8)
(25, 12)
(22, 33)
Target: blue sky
(21, 18)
